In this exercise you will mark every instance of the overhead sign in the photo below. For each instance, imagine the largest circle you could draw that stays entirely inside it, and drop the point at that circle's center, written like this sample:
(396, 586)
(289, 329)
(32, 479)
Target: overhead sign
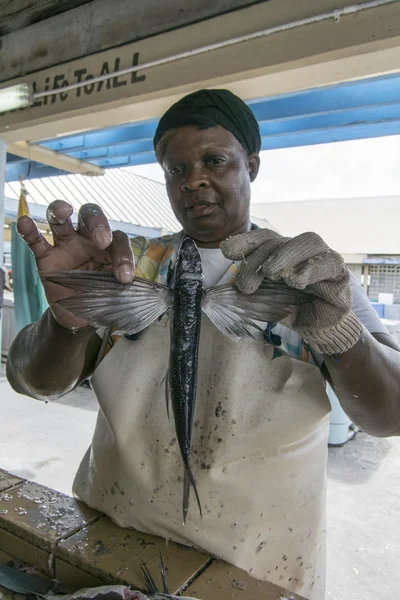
(62, 79)
(79, 71)
(287, 60)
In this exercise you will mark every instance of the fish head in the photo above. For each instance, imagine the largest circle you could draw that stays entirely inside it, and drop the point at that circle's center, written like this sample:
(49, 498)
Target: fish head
(188, 263)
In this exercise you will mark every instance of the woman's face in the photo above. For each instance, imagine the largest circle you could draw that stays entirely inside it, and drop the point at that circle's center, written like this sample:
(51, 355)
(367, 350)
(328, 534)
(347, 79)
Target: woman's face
(208, 175)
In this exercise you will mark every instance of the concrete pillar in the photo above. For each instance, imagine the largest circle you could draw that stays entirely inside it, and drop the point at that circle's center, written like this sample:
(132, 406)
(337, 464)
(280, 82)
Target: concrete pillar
(356, 270)
(3, 155)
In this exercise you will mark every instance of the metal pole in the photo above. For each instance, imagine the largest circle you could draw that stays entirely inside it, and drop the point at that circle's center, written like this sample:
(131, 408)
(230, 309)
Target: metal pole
(3, 155)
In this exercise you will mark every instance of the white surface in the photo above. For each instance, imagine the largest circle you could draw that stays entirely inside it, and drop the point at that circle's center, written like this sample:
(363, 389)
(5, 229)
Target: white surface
(385, 298)
(45, 442)
(349, 225)
(339, 421)
(8, 297)
(390, 323)
(7, 327)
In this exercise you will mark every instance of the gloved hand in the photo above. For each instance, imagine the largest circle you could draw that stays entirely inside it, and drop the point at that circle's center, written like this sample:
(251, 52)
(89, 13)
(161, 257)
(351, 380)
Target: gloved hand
(303, 262)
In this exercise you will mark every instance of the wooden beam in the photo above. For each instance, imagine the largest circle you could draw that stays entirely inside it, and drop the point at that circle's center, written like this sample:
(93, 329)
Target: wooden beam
(44, 43)
(18, 14)
(48, 157)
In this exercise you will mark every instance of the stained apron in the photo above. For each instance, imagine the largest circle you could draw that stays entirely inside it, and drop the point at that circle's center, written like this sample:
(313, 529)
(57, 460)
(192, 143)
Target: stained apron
(259, 455)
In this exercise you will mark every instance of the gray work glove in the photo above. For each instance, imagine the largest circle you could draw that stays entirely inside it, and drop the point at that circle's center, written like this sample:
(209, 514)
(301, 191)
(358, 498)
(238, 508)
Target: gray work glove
(303, 262)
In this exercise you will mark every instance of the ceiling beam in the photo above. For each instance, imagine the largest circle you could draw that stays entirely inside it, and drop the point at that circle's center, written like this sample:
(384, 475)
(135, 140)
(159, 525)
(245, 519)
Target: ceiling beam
(359, 131)
(384, 113)
(40, 154)
(355, 95)
(104, 137)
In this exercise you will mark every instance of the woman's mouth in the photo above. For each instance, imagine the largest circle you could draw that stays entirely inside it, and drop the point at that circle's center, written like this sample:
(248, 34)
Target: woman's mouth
(200, 209)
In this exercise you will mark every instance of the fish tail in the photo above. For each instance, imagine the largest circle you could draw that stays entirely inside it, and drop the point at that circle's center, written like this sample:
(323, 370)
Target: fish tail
(186, 495)
(187, 481)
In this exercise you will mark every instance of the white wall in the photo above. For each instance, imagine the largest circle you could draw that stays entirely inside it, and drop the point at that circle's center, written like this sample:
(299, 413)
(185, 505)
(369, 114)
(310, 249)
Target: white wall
(350, 226)
(356, 270)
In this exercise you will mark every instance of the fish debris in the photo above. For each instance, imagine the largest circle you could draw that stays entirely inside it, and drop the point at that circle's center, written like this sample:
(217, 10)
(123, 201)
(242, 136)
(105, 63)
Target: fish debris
(102, 301)
(32, 584)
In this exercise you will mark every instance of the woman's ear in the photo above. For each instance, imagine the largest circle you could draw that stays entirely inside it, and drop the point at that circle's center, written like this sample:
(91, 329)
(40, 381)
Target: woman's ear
(254, 165)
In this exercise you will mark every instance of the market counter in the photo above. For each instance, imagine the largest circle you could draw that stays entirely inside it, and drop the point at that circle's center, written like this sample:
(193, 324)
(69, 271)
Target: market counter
(80, 547)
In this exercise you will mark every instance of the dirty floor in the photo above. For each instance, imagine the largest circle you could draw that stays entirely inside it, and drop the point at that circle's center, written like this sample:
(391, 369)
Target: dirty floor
(45, 442)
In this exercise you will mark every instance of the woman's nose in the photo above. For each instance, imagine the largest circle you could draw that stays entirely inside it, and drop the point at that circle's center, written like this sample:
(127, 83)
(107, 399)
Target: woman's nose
(195, 179)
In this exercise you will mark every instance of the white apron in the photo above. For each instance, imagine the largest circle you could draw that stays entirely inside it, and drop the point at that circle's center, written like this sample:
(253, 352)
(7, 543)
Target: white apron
(259, 455)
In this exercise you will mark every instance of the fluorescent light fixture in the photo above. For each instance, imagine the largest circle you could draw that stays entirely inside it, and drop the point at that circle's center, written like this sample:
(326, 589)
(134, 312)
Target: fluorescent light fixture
(6, 226)
(16, 96)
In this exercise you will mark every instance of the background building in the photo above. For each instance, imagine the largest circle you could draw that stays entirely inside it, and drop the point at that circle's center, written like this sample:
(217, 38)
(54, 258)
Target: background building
(364, 230)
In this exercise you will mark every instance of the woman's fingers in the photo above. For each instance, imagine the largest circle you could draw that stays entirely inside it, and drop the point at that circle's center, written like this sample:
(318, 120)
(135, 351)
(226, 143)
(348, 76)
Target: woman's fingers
(93, 224)
(59, 215)
(241, 245)
(31, 235)
(122, 257)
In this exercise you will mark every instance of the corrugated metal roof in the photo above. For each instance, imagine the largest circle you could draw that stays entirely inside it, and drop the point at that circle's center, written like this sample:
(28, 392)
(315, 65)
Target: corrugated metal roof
(124, 197)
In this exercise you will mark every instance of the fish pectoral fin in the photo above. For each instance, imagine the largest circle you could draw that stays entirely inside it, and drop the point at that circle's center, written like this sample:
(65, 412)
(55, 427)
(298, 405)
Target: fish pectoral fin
(236, 314)
(103, 301)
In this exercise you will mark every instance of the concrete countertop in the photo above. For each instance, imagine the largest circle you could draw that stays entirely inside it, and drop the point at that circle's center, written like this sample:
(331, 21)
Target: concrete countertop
(68, 541)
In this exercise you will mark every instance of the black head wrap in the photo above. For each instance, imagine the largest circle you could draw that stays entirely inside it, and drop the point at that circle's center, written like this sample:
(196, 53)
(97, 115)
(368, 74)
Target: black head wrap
(208, 108)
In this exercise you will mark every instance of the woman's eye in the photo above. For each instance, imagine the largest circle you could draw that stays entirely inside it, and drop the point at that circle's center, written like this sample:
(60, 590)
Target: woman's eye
(175, 170)
(215, 160)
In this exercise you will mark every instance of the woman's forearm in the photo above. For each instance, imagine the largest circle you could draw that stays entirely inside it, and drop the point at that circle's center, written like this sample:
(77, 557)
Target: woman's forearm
(366, 380)
(46, 360)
